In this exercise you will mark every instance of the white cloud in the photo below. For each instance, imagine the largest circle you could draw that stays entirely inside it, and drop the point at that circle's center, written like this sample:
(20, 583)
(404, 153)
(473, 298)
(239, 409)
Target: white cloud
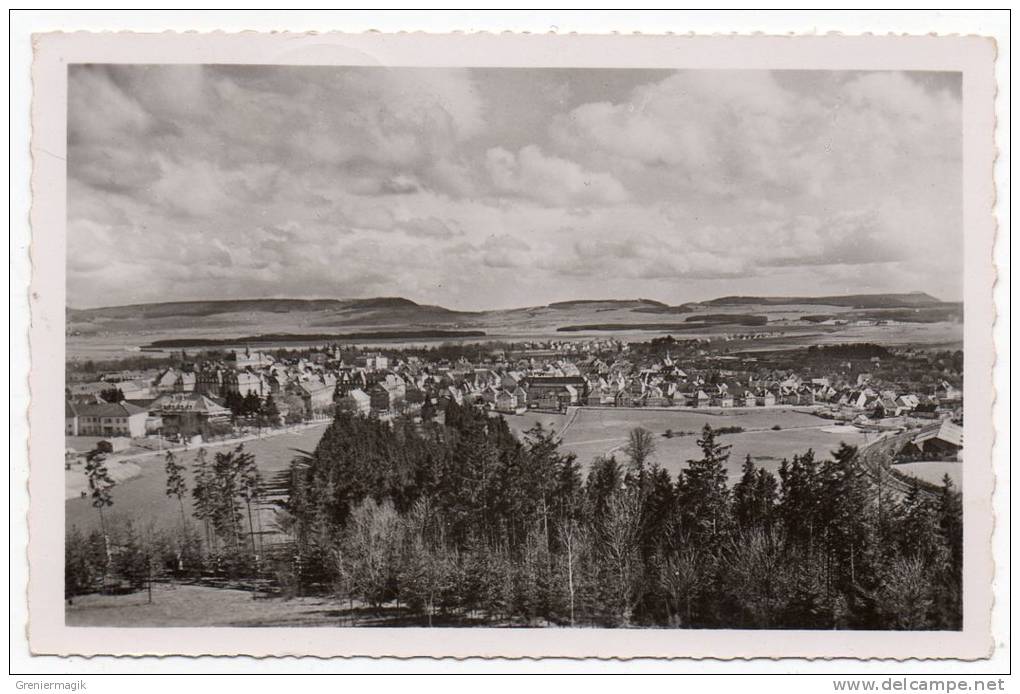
(550, 179)
(430, 228)
(256, 181)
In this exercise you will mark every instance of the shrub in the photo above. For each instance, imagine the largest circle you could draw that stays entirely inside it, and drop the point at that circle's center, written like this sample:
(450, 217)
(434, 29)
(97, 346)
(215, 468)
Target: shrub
(84, 562)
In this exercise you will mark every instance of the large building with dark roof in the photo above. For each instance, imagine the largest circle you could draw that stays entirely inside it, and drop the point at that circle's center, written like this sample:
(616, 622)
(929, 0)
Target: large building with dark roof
(188, 414)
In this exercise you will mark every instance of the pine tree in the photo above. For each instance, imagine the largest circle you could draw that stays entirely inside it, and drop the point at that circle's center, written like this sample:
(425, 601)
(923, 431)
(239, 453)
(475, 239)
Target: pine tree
(250, 490)
(658, 506)
(706, 498)
(919, 532)
(225, 491)
(754, 496)
(800, 498)
(568, 493)
(100, 489)
(766, 489)
(204, 494)
(234, 402)
(744, 492)
(467, 486)
(251, 404)
(270, 412)
(604, 479)
(536, 483)
(177, 487)
(848, 533)
(949, 571)
(950, 513)
(175, 484)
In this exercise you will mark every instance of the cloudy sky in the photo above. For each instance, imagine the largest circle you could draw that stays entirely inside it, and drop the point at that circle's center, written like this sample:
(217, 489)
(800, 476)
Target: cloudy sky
(500, 188)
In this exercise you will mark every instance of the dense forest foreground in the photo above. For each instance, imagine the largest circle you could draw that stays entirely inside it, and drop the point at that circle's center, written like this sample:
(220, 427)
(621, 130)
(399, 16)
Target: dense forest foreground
(463, 523)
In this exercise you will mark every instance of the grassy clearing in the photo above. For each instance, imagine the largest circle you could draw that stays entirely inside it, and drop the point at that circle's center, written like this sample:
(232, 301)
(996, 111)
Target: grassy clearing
(204, 606)
(199, 606)
(933, 472)
(143, 499)
(596, 432)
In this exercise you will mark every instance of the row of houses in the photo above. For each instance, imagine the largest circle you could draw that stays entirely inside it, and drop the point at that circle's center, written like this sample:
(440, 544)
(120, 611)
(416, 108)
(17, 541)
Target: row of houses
(172, 413)
(182, 398)
(105, 419)
(620, 383)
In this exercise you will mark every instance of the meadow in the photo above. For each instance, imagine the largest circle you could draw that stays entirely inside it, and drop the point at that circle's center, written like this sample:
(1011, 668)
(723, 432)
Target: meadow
(117, 332)
(587, 432)
(184, 605)
(143, 499)
(933, 471)
(602, 432)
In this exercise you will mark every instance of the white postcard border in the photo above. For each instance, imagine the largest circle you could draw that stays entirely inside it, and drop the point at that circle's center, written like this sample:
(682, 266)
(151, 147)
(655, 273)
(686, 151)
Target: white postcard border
(48, 634)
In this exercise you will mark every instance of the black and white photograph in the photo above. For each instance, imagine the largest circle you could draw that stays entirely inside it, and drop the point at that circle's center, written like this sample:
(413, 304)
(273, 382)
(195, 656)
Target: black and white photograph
(542, 348)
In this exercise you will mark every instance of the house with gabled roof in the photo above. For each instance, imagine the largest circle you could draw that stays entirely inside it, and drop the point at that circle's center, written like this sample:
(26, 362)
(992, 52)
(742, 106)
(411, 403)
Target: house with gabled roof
(110, 419)
(505, 401)
(356, 401)
(940, 441)
(188, 413)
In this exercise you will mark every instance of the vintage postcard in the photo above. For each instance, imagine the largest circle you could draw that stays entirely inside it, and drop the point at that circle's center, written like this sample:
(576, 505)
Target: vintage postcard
(511, 345)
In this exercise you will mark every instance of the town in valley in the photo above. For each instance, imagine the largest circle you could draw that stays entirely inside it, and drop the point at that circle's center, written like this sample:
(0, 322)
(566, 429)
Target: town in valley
(151, 420)
(544, 347)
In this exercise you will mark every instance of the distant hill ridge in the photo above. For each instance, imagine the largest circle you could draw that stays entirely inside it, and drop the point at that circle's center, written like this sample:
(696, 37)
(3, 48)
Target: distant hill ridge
(195, 309)
(401, 306)
(165, 309)
(905, 300)
(383, 302)
(614, 303)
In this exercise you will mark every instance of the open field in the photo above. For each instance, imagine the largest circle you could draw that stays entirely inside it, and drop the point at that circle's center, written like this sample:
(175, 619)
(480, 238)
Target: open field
(121, 471)
(933, 472)
(186, 605)
(925, 335)
(601, 432)
(120, 331)
(200, 606)
(588, 433)
(142, 498)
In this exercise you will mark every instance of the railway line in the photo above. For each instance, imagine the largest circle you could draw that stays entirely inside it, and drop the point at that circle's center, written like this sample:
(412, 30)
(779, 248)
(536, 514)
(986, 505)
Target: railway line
(876, 456)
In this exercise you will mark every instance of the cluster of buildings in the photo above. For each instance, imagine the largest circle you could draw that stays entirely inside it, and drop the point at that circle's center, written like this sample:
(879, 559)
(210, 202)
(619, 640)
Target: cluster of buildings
(188, 399)
(555, 383)
(212, 396)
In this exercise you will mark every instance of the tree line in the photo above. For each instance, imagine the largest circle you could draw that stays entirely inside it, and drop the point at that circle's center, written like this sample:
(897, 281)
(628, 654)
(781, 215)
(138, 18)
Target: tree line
(463, 523)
